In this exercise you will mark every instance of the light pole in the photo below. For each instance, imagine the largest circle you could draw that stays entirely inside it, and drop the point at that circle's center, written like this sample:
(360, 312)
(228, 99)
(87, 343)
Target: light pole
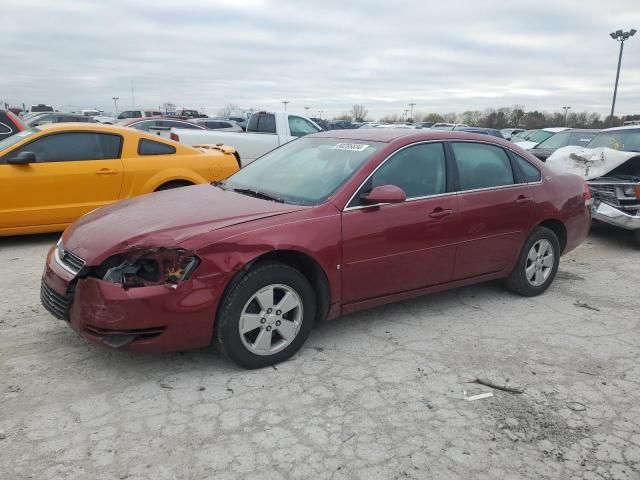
(320, 114)
(406, 110)
(412, 105)
(307, 110)
(285, 102)
(621, 37)
(115, 102)
(566, 110)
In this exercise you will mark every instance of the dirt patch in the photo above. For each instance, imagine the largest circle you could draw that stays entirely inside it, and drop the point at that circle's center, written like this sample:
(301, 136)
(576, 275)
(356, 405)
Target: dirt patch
(521, 418)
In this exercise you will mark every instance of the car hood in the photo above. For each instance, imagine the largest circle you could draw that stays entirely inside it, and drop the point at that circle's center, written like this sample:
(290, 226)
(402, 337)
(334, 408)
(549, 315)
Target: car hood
(588, 162)
(541, 152)
(164, 219)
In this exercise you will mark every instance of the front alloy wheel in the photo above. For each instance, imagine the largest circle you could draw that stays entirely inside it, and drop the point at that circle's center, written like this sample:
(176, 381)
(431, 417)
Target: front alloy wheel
(266, 315)
(271, 319)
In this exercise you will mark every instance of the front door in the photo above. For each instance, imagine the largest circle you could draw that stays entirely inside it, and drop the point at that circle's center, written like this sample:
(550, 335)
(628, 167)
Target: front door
(73, 174)
(395, 248)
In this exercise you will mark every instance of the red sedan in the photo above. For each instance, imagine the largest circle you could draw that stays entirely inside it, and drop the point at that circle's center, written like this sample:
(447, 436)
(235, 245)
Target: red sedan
(328, 224)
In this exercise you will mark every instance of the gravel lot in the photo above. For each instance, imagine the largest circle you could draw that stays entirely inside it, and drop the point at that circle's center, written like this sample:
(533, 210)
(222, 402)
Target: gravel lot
(379, 394)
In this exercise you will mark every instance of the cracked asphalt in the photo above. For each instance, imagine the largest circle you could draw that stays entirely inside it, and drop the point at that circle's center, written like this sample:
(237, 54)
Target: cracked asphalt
(375, 395)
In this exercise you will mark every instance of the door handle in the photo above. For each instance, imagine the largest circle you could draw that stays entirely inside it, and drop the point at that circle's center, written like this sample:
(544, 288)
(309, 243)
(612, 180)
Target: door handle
(523, 199)
(106, 171)
(440, 212)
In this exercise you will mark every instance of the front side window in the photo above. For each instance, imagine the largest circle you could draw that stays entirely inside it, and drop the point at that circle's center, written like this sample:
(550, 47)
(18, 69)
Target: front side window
(299, 127)
(481, 165)
(151, 147)
(419, 171)
(65, 147)
(306, 171)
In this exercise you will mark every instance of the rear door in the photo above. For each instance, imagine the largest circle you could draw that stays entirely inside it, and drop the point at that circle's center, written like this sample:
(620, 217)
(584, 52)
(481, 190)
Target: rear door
(494, 209)
(74, 173)
(389, 249)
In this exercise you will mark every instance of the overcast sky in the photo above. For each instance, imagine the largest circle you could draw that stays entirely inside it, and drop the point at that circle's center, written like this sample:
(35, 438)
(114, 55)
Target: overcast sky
(443, 55)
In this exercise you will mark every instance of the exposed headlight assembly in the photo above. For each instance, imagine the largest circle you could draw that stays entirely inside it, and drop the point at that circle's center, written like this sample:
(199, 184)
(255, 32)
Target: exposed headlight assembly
(632, 191)
(147, 267)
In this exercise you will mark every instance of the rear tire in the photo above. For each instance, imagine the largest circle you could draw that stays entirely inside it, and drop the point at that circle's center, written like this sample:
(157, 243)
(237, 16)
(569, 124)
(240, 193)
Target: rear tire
(537, 264)
(266, 316)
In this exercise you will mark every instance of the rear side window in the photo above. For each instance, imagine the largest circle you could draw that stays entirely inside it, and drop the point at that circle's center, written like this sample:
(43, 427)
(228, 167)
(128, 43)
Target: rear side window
(262, 123)
(531, 173)
(481, 165)
(65, 147)
(151, 147)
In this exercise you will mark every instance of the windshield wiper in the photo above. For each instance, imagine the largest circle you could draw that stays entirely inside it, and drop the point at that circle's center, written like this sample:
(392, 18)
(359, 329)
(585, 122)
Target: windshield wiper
(257, 194)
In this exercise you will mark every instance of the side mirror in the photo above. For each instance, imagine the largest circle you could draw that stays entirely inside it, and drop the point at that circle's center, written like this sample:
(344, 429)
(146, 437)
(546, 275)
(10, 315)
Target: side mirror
(385, 194)
(23, 158)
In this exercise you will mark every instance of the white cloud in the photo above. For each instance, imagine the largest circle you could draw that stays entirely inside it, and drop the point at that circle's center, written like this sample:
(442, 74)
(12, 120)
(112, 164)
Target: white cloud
(329, 54)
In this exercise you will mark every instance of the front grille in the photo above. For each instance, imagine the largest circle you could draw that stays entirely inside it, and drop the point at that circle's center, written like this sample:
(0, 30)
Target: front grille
(69, 260)
(609, 194)
(606, 193)
(57, 304)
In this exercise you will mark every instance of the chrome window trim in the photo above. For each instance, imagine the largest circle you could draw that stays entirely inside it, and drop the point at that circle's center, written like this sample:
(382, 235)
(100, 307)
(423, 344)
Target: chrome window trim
(408, 200)
(359, 207)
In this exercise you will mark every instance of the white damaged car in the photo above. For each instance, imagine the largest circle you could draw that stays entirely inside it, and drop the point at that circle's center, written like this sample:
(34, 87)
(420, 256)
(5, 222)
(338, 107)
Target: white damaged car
(611, 165)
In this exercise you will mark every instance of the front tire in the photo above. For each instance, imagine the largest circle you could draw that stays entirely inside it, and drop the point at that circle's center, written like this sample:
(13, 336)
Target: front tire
(537, 264)
(266, 317)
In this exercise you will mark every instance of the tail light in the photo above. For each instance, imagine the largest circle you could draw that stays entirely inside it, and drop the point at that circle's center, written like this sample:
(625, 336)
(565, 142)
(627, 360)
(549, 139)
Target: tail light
(16, 121)
(174, 137)
(586, 195)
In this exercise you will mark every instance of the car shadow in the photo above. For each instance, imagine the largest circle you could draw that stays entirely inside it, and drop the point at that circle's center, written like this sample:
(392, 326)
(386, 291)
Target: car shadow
(27, 240)
(613, 236)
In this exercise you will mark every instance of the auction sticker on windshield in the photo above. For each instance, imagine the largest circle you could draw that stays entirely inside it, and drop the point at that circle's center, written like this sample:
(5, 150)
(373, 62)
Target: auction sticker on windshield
(352, 147)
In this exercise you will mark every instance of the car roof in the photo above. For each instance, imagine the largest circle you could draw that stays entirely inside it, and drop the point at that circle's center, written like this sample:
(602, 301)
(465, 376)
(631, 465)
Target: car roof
(625, 127)
(388, 135)
(581, 130)
(555, 129)
(81, 126)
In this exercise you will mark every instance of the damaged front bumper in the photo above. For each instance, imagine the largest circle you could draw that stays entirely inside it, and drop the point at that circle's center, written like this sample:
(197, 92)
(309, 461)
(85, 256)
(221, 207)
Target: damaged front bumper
(153, 318)
(614, 216)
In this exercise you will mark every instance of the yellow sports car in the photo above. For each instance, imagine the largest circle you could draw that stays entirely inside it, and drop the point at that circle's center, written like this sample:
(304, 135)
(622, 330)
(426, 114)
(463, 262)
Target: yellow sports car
(51, 175)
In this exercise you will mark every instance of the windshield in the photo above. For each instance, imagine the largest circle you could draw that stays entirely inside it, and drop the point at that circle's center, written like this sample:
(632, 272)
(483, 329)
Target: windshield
(556, 141)
(303, 172)
(13, 139)
(625, 140)
(539, 136)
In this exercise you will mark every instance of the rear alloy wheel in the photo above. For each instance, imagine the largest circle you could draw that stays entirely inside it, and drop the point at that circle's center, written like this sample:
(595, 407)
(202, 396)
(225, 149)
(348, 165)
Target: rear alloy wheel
(537, 264)
(266, 317)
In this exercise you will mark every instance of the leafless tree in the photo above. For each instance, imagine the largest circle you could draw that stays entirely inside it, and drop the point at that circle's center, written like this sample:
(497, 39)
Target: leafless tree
(359, 113)
(228, 109)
